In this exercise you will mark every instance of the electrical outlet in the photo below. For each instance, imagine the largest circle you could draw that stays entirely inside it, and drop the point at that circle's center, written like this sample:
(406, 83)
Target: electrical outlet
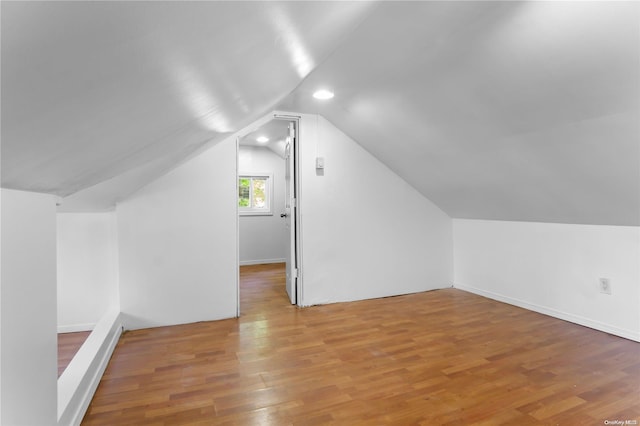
(605, 285)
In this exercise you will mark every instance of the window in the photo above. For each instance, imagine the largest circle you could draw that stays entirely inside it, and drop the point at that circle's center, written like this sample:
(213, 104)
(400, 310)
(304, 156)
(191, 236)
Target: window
(254, 194)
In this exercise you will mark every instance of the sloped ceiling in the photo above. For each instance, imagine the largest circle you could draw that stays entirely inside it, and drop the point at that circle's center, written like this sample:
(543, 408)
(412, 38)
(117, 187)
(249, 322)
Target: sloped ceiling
(509, 110)
(493, 110)
(276, 131)
(91, 90)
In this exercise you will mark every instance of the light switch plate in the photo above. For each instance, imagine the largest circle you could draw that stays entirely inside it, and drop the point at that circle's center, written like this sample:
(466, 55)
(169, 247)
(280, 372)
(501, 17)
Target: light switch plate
(604, 285)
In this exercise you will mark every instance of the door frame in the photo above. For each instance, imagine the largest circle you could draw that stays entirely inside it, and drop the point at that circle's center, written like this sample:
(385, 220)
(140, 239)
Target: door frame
(296, 220)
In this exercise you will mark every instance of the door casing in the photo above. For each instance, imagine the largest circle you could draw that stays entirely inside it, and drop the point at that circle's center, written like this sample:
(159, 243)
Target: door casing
(296, 221)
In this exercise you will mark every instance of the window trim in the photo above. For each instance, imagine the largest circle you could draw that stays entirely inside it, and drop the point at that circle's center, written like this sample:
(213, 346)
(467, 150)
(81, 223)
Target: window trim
(248, 211)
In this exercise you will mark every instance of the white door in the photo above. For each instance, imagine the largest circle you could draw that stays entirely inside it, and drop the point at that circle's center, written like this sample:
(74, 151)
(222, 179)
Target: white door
(289, 214)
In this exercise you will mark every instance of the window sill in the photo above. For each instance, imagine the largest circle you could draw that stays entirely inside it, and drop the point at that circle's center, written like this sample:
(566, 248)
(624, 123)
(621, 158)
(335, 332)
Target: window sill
(254, 213)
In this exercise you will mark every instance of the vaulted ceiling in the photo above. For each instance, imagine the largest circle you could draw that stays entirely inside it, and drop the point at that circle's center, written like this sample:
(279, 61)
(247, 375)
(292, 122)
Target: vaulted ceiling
(493, 110)
(95, 90)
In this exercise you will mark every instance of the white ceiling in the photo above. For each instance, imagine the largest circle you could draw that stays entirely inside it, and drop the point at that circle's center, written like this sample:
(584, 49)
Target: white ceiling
(507, 110)
(275, 130)
(493, 110)
(91, 90)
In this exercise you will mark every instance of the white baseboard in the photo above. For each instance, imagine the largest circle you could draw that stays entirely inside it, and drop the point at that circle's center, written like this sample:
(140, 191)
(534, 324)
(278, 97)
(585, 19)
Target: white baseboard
(576, 319)
(261, 262)
(72, 328)
(79, 381)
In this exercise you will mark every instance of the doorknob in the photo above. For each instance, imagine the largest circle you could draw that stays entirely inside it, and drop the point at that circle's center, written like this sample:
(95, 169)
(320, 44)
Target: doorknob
(283, 215)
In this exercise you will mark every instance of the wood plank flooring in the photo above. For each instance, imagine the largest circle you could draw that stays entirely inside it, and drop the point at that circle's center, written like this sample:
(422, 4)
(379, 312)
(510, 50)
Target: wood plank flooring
(437, 358)
(68, 346)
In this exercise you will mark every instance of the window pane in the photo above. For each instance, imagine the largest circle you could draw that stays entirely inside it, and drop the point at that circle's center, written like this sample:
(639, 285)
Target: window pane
(244, 192)
(254, 194)
(259, 190)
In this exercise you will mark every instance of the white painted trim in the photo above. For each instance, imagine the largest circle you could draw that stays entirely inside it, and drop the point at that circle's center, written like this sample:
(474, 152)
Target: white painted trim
(576, 319)
(79, 381)
(237, 219)
(72, 328)
(278, 115)
(261, 261)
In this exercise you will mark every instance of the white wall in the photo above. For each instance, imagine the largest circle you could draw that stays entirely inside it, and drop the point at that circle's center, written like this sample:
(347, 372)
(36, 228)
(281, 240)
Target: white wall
(177, 236)
(28, 364)
(554, 269)
(177, 244)
(366, 233)
(263, 239)
(87, 269)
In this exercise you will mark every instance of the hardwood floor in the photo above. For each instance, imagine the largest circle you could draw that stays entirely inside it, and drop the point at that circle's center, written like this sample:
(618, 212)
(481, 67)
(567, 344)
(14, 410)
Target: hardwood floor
(437, 358)
(68, 345)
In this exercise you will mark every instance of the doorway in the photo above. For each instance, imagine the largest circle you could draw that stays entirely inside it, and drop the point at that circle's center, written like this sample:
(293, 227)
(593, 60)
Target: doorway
(267, 202)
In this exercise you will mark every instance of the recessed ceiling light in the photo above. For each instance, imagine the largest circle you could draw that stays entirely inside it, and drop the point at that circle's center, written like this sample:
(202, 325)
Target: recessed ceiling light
(323, 94)
(262, 139)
